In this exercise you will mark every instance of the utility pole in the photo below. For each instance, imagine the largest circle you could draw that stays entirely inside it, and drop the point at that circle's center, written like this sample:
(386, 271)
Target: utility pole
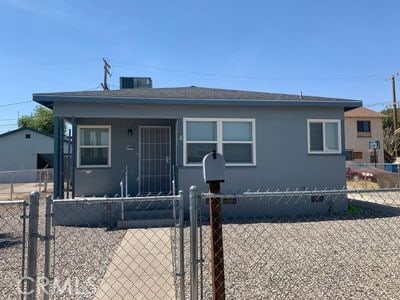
(107, 73)
(393, 79)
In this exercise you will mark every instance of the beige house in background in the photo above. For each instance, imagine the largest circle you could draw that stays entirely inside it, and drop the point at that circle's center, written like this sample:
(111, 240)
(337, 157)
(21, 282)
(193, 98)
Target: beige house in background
(363, 126)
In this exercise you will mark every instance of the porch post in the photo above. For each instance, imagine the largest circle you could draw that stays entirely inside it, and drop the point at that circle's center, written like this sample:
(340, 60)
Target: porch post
(74, 149)
(58, 158)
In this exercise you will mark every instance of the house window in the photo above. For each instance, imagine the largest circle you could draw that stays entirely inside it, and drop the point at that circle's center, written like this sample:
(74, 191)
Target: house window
(27, 135)
(349, 155)
(363, 128)
(94, 146)
(233, 138)
(324, 137)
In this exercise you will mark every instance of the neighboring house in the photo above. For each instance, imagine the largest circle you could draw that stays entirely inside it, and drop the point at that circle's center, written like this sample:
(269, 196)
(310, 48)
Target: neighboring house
(363, 126)
(25, 149)
(269, 141)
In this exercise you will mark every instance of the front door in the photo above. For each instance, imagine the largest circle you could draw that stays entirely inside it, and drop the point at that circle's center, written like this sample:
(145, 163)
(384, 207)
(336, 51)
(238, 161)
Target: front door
(154, 159)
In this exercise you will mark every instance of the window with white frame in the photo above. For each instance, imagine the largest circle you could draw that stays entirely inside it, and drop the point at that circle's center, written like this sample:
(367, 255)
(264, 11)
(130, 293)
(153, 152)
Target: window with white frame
(324, 136)
(94, 146)
(233, 138)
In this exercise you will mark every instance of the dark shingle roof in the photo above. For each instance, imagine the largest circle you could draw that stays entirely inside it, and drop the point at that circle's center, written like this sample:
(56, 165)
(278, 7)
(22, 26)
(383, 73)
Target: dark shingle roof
(192, 96)
(188, 93)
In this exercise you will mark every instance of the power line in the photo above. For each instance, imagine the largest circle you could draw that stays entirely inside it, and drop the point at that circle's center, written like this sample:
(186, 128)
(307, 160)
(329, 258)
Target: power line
(142, 67)
(49, 63)
(378, 103)
(8, 125)
(15, 103)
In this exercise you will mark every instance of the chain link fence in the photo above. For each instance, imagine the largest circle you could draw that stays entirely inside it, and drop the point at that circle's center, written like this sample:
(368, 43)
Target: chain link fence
(319, 244)
(12, 248)
(19, 184)
(344, 245)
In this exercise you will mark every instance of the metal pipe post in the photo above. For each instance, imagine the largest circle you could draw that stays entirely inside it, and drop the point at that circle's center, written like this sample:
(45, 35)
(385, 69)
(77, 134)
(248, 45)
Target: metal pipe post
(23, 247)
(126, 180)
(122, 201)
(47, 239)
(32, 245)
(193, 244)
(181, 246)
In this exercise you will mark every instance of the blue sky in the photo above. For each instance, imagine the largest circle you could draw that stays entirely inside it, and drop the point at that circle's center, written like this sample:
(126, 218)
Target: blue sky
(327, 48)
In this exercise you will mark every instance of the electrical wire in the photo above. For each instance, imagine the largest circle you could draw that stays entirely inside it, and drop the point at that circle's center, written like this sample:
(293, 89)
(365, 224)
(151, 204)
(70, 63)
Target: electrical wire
(15, 103)
(147, 68)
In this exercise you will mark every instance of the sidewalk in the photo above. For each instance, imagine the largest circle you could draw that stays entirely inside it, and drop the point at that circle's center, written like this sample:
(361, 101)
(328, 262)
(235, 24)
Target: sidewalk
(141, 267)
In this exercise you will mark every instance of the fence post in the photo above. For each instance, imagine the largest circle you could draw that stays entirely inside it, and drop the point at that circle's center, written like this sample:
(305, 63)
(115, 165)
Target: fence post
(40, 181)
(22, 287)
(46, 179)
(47, 239)
(181, 245)
(193, 244)
(32, 245)
(11, 190)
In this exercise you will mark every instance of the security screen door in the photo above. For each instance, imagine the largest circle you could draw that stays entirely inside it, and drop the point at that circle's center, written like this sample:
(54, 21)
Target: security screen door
(155, 159)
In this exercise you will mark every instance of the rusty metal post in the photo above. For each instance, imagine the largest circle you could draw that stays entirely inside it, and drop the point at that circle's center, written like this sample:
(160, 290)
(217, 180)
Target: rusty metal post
(217, 247)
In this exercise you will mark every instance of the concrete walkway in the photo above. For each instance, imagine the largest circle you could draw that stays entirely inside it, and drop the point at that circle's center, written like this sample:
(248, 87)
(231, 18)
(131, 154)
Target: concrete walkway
(141, 267)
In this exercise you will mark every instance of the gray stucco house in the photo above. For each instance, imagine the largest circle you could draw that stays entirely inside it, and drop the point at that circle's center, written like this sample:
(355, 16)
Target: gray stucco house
(269, 140)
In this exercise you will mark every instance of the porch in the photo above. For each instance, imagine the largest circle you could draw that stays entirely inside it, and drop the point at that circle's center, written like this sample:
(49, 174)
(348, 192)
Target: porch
(117, 156)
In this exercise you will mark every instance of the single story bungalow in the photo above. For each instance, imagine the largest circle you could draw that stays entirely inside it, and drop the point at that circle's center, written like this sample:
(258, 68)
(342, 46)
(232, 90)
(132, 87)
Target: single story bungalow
(160, 135)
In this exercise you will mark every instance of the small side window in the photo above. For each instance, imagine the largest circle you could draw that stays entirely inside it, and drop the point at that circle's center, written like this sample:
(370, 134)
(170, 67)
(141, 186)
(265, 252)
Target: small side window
(27, 135)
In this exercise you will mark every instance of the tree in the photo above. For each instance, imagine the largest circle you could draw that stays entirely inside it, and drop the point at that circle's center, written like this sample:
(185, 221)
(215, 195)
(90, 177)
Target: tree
(41, 119)
(388, 134)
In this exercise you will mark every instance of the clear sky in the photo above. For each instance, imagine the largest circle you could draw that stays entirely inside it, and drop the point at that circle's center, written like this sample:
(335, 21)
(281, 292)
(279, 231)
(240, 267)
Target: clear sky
(337, 48)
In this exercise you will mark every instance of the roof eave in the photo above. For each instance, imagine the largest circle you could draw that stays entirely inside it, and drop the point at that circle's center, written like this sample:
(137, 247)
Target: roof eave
(48, 100)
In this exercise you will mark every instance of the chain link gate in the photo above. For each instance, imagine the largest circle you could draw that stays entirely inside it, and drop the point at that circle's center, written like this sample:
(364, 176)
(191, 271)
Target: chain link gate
(138, 257)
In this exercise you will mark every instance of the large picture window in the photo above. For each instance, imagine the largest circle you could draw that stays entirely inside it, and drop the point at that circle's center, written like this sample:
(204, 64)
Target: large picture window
(94, 146)
(233, 138)
(324, 137)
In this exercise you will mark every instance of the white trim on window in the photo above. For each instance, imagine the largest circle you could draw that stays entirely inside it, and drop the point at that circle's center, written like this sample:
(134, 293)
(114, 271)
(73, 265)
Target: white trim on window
(78, 158)
(325, 150)
(219, 141)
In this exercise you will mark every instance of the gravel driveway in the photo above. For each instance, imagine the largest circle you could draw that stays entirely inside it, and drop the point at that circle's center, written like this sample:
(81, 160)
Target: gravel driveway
(347, 257)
